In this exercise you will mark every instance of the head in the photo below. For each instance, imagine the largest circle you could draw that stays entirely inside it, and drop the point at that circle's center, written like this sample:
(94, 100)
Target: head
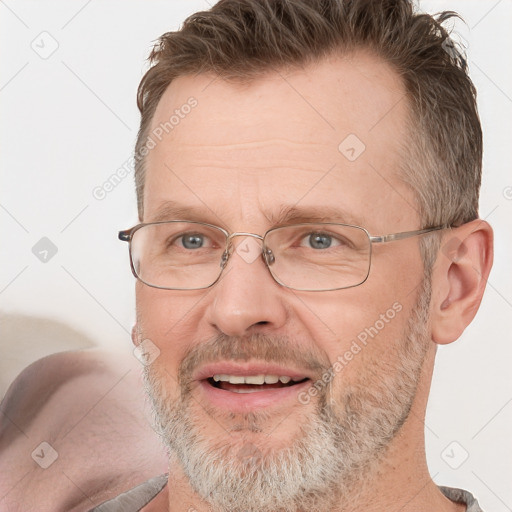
(335, 112)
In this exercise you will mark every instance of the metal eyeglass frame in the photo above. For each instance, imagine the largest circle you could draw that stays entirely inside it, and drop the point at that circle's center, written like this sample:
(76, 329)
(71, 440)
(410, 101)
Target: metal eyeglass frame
(127, 236)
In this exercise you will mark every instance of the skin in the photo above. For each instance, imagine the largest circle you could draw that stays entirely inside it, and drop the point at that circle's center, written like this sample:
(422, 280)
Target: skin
(244, 151)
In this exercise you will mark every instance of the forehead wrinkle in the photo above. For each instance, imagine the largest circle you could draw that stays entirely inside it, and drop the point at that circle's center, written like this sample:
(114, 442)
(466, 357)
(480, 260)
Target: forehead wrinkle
(250, 144)
(254, 157)
(243, 167)
(279, 151)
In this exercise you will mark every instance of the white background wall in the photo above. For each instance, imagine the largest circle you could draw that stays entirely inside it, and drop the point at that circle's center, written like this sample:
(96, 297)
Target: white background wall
(69, 121)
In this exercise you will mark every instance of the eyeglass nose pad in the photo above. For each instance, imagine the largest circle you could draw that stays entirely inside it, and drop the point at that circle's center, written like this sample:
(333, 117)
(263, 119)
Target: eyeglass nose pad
(269, 256)
(224, 258)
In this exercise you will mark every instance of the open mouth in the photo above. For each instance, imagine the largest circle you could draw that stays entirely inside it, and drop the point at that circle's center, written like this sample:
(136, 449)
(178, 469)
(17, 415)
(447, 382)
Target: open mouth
(253, 383)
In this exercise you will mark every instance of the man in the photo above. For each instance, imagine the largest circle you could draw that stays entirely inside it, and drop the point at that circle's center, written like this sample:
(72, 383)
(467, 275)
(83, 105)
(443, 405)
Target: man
(307, 179)
(290, 350)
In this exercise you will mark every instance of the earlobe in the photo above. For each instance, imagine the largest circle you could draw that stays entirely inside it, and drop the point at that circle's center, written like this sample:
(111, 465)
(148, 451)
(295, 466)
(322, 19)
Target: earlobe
(459, 278)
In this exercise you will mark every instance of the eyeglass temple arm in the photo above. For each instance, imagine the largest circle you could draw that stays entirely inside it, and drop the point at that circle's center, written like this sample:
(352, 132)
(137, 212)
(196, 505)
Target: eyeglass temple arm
(125, 235)
(405, 234)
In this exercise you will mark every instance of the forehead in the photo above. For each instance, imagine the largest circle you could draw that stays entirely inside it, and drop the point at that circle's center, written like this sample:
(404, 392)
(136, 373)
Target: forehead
(331, 132)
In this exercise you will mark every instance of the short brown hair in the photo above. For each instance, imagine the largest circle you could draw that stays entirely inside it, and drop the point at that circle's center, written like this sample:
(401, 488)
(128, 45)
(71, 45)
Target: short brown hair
(241, 39)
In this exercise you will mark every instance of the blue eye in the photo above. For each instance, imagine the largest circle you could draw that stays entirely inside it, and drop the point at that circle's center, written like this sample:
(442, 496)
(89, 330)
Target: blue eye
(192, 241)
(320, 240)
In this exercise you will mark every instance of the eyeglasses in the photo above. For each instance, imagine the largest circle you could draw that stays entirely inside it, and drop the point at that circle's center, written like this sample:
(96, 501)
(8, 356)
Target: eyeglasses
(188, 255)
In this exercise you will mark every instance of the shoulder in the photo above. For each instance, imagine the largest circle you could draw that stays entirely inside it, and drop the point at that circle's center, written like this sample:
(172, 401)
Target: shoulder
(74, 431)
(461, 496)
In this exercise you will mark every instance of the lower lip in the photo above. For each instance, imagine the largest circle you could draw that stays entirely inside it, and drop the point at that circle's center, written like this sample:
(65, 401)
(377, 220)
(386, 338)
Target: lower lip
(244, 402)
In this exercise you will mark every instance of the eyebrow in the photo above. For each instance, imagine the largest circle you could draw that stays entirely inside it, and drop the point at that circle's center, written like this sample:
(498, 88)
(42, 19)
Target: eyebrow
(295, 214)
(171, 210)
(285, 214)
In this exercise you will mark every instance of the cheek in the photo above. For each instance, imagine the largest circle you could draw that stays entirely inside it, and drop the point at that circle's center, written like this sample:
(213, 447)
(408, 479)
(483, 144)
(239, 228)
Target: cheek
(350, 313)
(367, 351)
(363, 326)
(170, 320)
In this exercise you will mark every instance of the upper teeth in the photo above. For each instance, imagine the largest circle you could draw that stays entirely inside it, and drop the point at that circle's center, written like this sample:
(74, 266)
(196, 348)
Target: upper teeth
(252, 379)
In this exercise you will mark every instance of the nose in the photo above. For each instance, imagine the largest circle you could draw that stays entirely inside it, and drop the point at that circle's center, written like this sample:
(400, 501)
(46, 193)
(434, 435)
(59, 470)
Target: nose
(246, 299)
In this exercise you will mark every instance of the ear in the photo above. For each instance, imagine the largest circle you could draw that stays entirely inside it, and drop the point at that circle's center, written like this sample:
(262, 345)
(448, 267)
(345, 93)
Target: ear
(459, 278)
(135, 337)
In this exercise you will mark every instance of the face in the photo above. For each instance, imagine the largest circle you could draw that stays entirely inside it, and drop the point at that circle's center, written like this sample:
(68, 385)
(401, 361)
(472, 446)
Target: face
(239, 159)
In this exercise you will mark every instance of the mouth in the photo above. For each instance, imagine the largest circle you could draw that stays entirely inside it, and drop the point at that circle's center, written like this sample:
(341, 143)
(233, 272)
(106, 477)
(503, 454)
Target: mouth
(245, 387)
(253, 383)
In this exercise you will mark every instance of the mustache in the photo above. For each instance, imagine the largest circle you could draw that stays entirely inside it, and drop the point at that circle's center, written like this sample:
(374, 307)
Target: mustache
(272, 349)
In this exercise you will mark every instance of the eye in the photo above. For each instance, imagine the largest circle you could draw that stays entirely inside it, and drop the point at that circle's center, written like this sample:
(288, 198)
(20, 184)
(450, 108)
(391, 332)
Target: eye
(193, 241)
(320, 241)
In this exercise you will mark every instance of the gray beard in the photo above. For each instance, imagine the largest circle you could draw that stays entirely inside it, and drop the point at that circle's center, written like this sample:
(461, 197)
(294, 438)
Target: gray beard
(336, 452)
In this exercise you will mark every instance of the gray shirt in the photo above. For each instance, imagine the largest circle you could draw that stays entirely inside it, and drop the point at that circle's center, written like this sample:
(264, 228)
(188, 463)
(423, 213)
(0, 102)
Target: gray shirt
(136, 498)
